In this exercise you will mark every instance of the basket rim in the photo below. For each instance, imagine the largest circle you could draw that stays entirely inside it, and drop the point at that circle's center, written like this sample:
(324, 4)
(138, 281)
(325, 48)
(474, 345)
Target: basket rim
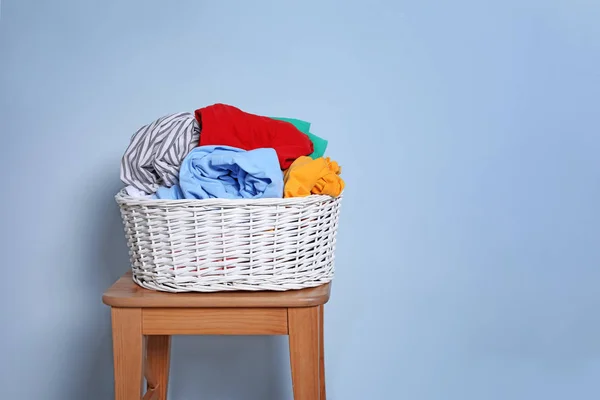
(123, 198)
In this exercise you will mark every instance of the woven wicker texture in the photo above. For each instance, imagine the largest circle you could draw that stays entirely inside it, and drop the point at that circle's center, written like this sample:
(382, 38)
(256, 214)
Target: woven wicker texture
(222, 245)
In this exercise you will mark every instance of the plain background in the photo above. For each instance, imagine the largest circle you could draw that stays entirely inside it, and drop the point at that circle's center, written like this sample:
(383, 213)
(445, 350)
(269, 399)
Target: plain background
(468, 131)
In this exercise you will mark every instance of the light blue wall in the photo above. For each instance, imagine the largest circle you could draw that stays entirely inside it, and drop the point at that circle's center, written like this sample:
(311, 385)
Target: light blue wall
(469, 136)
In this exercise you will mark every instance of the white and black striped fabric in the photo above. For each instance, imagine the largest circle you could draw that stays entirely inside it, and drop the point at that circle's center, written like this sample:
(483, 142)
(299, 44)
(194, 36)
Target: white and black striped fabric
(156, 151)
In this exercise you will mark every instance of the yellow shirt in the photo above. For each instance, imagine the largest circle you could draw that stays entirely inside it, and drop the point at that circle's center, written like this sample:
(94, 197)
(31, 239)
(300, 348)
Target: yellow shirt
(307, 176)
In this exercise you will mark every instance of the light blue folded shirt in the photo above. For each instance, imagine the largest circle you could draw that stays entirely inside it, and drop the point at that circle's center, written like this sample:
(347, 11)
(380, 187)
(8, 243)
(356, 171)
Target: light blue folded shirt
(227, 172)
(172, 193)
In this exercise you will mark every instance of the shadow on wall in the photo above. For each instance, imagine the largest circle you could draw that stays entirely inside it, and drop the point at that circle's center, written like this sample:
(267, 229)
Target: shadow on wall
(232, 367)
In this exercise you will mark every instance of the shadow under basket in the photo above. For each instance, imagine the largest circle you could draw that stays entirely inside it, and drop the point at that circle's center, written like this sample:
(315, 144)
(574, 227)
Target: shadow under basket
(223, 245)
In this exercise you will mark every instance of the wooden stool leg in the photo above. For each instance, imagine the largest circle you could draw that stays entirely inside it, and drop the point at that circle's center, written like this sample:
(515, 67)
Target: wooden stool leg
(157, 364)
(128, 352)
(322, 353)
(303, 325)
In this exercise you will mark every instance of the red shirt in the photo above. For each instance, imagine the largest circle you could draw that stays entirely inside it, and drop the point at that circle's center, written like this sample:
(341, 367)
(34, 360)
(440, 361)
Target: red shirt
(221, 124)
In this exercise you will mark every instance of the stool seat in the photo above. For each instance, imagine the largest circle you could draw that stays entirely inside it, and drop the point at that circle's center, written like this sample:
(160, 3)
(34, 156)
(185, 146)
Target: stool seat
(143, 322)
(126, 293)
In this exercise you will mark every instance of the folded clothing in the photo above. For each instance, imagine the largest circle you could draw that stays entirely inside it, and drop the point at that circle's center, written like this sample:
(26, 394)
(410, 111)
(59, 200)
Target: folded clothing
(133, 192)
(168, 193)
(307, 176)
(156, 150)
(227, 172)
(319, 144)
(223, 124)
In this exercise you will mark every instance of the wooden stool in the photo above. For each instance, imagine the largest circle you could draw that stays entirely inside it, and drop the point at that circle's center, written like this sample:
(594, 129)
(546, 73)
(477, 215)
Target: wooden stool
(140, 315)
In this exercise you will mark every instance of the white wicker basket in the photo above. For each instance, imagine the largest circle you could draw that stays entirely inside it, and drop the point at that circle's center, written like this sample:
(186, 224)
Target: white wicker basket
(222, 245)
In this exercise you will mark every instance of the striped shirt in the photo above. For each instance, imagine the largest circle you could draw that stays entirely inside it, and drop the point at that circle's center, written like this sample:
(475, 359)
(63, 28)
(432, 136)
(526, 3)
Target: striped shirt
(156, 151)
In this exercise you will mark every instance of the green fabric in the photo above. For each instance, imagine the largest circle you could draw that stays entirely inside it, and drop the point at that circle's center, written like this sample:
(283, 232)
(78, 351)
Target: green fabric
(319, 144)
